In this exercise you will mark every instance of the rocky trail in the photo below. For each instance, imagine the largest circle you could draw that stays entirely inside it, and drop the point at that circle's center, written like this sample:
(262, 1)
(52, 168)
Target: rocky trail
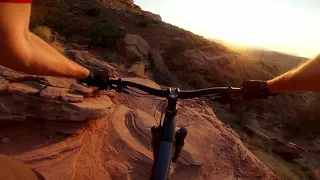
(66, 130)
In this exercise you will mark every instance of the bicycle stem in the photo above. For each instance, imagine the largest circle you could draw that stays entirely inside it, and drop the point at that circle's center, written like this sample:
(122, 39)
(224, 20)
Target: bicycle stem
(164, 142)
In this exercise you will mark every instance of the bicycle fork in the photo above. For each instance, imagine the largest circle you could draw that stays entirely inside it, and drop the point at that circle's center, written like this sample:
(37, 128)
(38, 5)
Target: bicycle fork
(180, 136)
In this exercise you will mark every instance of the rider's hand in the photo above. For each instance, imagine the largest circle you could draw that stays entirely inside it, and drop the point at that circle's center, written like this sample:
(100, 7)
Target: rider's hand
(97, 79)
(255, 89)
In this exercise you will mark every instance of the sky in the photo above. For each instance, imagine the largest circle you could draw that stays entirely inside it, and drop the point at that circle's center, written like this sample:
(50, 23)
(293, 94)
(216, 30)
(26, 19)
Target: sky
(291, 26)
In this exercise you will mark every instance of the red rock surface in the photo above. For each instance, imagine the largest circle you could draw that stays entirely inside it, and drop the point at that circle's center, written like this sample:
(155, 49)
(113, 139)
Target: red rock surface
(117, 146)
(115, 142)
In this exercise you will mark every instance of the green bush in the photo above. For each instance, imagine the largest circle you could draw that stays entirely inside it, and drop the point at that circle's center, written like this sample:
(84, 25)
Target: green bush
(177, 47)
(143, 23)
(114, 57)
(105, 34)
(50, 13)
(307, 122)
(277, 166)
(94, 12)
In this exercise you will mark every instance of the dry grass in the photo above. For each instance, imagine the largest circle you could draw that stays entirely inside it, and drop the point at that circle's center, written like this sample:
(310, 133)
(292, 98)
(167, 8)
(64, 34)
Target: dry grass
(59, 46)
(277, 166)
(114, 57)
(43, 32)
(138, 69)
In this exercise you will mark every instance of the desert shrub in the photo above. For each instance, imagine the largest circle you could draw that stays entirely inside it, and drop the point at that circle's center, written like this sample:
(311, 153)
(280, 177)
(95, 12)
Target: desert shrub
(43, 32)
(94, 12)
(143, 22)
(58, 22)
(277, 166)
(254, 142)
(46, 34)
(176, 47)
(138, 69)
(307, 121)
(114, 57)
(58, 45)
(50, 13)
(242, 117)
(105, 34)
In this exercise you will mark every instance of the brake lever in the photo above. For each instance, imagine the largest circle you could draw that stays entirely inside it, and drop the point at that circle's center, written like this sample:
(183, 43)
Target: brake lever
(228, 97)
(117, 86)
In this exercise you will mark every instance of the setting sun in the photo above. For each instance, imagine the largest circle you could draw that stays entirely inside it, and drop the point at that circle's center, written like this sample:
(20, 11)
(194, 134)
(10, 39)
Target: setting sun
(284, 26)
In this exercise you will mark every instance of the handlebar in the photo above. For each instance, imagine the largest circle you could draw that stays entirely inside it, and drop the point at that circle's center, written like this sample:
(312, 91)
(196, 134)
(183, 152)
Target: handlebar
(120, 85)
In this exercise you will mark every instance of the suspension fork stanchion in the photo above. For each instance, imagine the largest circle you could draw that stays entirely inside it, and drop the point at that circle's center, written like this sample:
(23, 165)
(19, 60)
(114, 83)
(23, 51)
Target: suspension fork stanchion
(181, 134)
(156, 131)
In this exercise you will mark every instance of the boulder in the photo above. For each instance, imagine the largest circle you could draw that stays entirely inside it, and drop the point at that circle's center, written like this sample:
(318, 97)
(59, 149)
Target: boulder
(135, 48)
(288, 151)
(159, 69)
(130, 40)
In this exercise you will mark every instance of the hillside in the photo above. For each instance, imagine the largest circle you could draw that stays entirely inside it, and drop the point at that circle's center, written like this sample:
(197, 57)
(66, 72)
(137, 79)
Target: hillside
(72, 21)
(81, 135)
(282, 61)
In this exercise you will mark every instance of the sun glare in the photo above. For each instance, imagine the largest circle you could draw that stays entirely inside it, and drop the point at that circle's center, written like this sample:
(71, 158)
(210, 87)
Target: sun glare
(286, 26)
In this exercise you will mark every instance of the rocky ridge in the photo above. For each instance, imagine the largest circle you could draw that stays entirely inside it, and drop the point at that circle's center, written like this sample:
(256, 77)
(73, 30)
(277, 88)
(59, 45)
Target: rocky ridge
(115, 142)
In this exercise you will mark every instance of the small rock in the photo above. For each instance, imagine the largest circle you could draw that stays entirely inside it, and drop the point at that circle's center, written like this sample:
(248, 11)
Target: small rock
(5, 140)
(57, 81)
(13, 75)
(72, 98)
(53, 92)
(28, 87)
(15, 118)
(82, 89)
(288, 151)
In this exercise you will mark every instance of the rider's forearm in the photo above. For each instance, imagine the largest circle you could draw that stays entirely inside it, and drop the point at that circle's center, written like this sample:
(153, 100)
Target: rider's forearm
(54, 62)
(23, 51)
(33, 56)
(303, 78)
